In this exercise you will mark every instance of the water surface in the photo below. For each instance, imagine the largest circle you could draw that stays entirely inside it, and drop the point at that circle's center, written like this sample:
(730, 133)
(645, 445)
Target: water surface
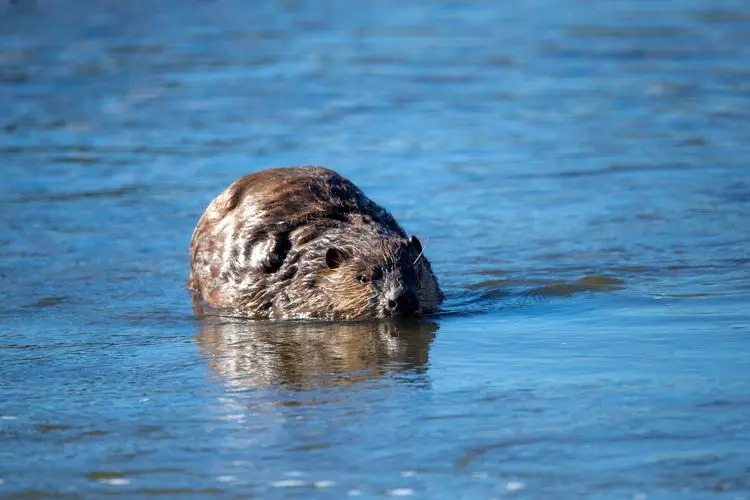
(577, 171)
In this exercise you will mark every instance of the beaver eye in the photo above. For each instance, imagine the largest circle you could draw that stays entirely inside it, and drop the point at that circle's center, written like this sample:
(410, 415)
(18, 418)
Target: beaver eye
(363, 279)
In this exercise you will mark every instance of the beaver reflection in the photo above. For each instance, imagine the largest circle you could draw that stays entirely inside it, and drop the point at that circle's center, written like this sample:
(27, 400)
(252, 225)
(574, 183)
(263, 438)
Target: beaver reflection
(298, 355)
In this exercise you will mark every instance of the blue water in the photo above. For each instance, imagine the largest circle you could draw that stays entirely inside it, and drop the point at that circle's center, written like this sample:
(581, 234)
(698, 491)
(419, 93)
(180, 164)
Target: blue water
(577, 171)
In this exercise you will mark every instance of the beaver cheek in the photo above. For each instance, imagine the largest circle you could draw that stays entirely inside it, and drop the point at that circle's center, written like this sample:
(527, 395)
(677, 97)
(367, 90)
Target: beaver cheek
(375, 306)
(380, 305)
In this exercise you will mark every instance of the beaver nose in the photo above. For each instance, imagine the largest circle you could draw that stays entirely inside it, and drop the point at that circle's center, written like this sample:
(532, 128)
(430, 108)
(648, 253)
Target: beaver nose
(402, 300)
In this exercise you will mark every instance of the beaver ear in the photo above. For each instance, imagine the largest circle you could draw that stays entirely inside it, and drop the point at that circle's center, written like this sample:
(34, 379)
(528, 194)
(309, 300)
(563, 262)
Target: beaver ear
(334, 257)
(416, 244)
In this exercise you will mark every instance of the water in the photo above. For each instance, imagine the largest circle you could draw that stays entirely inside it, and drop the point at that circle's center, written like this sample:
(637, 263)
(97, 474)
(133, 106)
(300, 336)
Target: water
(577, 171)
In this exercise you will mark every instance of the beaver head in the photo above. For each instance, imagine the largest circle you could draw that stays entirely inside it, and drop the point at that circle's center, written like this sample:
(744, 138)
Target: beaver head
(381, 277)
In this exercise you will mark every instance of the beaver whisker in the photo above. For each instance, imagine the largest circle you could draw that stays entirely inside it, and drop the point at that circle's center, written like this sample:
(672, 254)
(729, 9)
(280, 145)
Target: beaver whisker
(418, 257)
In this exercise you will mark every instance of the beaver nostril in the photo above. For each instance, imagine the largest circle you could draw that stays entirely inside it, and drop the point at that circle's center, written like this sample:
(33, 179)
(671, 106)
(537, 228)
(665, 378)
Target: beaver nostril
(403, 302)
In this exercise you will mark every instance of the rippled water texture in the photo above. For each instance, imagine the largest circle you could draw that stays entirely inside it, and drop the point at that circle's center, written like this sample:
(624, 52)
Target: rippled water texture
(577, 171)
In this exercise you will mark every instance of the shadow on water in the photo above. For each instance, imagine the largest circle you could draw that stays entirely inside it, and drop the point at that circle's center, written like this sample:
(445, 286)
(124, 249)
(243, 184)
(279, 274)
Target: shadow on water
(301, 355)
(548, 288)
(496, 291)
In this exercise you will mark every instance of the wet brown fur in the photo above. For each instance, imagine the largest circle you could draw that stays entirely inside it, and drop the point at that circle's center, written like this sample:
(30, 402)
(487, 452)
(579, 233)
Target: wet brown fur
(264, 248)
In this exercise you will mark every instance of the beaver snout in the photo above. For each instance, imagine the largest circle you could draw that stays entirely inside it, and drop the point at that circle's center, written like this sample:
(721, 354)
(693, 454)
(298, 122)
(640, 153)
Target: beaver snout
(402, 301)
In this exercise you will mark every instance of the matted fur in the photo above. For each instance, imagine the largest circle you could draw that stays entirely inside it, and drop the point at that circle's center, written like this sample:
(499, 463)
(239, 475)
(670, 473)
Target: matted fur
(259, 251)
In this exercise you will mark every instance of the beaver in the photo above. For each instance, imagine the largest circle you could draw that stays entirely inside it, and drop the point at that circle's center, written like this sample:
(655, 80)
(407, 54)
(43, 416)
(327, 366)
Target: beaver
(305, 242)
